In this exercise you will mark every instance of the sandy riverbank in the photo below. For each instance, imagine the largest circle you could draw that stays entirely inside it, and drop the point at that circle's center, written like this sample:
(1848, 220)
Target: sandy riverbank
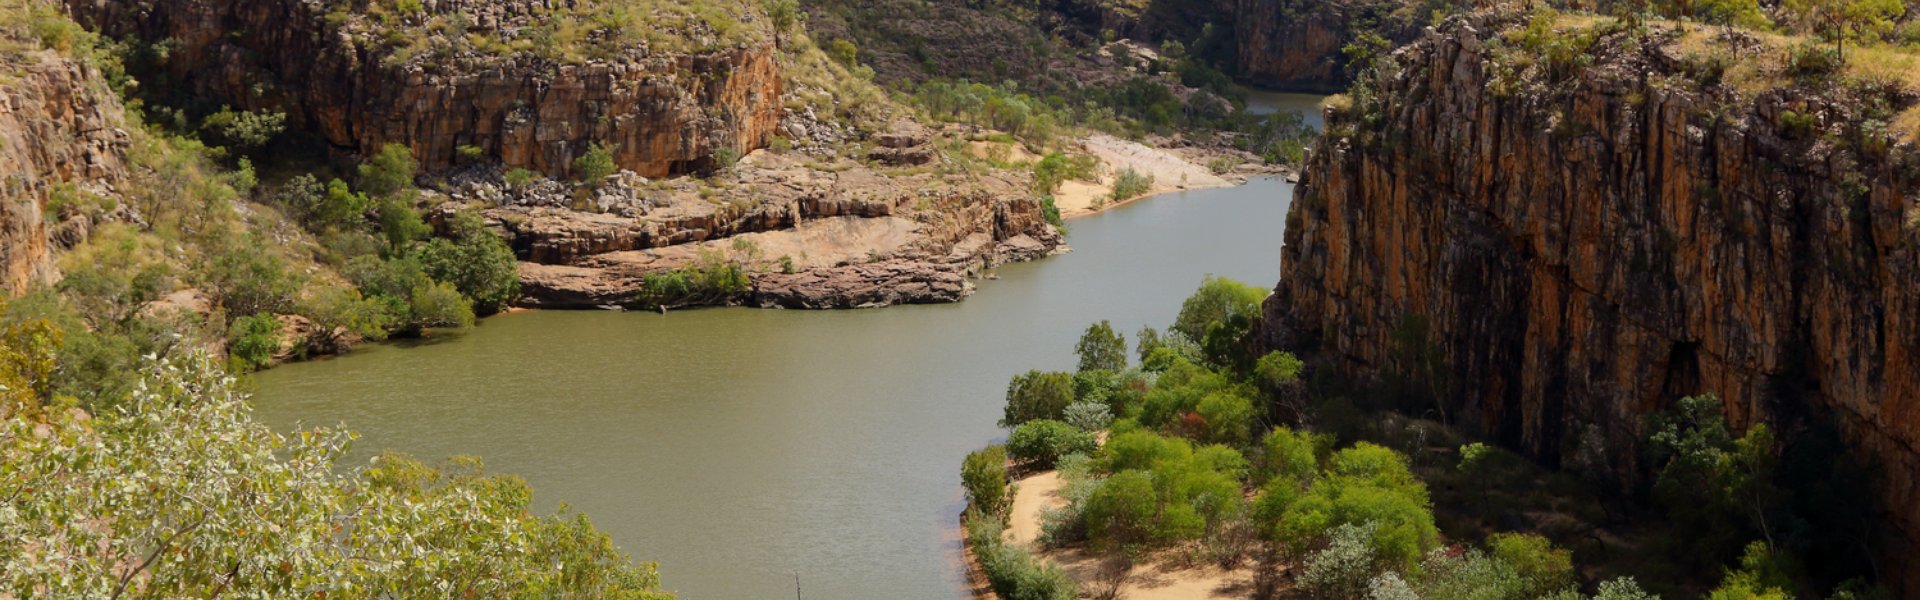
(1159, 578)
(1171, 172)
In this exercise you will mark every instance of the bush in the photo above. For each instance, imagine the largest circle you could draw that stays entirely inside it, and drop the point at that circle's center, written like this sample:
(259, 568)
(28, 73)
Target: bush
(400, 224)
(710, 279)
(984, 475)
(1051, 212)
(1121, 511)
(1277, 369)
(595, 165)
(339, 207)
(388, 171)
(1291, 457)
(1043, 441)
(1362, 484)
(1037, 395)
(1542, 568)
(252, 340)
(244, 130)
(1011, 572)
(1217, 299)
(1101, 348)
(1345, 566)
(1088, 416)
(438, 305)
(517, 178)
(476, 262)
(342, 311)
(1130, 184)
(248, 280)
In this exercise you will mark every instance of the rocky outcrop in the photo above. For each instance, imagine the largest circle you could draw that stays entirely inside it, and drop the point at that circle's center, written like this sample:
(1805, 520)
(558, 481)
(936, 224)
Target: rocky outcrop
(62, 138)
(1301, 45)
(357, 88)
(1584, 249)
(848, 237)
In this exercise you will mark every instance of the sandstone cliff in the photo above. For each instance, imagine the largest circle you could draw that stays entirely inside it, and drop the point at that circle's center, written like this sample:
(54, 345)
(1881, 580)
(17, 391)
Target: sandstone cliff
(1299, 45)
(1590, 243)
(61, 136)
(496, 76)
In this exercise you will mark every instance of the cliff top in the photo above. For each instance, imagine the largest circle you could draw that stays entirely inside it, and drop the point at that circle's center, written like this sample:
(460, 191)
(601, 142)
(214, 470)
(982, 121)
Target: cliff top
(566, 31)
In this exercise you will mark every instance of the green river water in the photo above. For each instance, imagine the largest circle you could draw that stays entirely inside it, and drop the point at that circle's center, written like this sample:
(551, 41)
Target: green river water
(738, 447)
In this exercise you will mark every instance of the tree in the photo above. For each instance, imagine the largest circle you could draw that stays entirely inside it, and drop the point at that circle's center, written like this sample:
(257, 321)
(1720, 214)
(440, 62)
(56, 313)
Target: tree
(475, 261)
(339, 207)
(29, 353)
(1543, 568)
(244, 130)
(1101, 348)
(1217, 299)
(596, 164)
(248, 280)
(401, 225)
(190, 497)
(388, 171)
(984, 475)
(252, 340)
(1037, 395)
(1277, 369)
(1718, 490)
(1843, 20)
(1120, 512)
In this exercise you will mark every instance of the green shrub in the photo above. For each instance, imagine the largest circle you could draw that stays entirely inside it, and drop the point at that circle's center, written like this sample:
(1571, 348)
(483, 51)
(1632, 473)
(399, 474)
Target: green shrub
(984, 475)
(710, 279)
(1362, 484)
(339, 207)
(1037, 395)
(1218, 299)
(438, 305)
(1010, 571)
(1291, 456)
(1130, 184)
(475, 261)
(345, 311)
(244, 130)
(1088, 416)
(401, 225)
(252, 340)
(247, 280)
(1277, 369)
(517, 178)
(1343, 568)
(595, 165)
(388, 171)
(1543, 568)
(1042, 442)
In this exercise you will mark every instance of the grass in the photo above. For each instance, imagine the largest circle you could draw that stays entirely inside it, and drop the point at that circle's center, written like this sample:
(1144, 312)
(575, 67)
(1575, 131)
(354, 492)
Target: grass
(573, 33)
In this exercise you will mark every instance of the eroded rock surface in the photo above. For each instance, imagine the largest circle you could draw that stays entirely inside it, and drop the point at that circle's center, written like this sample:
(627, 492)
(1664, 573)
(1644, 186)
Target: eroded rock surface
(61, 134)
(660, 111)
(849, 237)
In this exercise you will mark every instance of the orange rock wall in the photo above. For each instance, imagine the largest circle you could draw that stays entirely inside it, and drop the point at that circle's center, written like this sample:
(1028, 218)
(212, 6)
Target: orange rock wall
(1592, 256)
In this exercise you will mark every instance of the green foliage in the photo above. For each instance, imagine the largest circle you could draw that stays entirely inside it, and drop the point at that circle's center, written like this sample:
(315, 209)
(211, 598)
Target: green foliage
(339, 207)
(1218, 299)
(1343, 568)
(1011, 572)
(1101, 348)
(1763, 575)
(1043, 441)
(784, 13)
(252, 340)
(341, 311)
(1037, 395)
(1362, 484)
(1542, 568)
(401, 225)
(1051, 212)
(204, 501)
(388, 172)
(247, 280)
(475, 261)
(29, 353)
(1277, 369)
(438, 305)
(984, 475)
(1130, 184)
(595, 164)
(244, 130)
(843, 52)
(517, 178)
(1292, 457)
(1056, 168)
(1842, 21)
(711, 278)
(1717, 490)
(1088, 416)
(1162, 491)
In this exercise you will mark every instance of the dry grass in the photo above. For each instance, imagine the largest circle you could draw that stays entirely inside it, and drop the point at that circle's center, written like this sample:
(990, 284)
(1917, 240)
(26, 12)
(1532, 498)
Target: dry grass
(1906, 125)
(1760, 67)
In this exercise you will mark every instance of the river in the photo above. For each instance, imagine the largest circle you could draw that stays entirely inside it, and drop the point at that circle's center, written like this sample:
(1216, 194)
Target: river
(738, 447)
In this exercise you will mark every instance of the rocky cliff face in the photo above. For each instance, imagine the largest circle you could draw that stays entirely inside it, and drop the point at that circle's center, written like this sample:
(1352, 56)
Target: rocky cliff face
(1298, 45)
(1589, 247)
(359, 86)
(61, 136)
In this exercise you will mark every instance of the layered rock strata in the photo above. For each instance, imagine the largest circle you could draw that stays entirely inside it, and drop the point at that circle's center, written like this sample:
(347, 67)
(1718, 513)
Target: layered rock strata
(357, 87)
(62, 138)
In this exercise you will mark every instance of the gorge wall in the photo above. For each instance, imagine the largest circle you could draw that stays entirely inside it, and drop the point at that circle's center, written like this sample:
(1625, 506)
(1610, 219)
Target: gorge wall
(663, 112)
(1299, 46)
(1588, 247)
(61, 134)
